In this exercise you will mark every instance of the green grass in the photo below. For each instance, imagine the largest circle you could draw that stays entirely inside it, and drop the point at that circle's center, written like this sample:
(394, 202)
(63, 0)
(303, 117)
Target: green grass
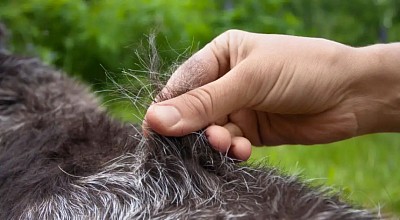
(366, 169)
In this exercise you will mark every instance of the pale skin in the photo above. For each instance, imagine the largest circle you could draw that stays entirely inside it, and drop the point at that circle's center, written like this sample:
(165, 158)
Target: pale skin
(265, 90)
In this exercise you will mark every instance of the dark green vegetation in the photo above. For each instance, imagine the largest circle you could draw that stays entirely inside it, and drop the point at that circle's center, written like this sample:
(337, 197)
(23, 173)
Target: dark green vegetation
(86, 37)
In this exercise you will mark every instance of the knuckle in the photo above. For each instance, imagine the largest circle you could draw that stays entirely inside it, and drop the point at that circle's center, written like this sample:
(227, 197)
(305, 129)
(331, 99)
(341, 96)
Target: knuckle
(233, 32)
(227, 48)
(227, 36)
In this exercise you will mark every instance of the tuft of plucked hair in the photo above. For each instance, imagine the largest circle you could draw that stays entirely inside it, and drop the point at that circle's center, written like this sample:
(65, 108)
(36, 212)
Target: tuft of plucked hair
(3, 38)
(64, 157)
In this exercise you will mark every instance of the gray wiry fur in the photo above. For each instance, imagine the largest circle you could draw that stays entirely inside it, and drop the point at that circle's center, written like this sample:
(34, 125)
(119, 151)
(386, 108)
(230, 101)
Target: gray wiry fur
(62, 157)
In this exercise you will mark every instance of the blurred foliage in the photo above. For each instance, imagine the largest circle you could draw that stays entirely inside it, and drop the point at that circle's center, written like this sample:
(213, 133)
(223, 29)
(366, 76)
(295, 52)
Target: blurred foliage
(82, 36)
(85, 38)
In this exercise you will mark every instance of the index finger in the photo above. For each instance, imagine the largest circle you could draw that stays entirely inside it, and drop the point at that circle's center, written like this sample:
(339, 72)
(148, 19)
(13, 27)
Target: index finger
(205, 66)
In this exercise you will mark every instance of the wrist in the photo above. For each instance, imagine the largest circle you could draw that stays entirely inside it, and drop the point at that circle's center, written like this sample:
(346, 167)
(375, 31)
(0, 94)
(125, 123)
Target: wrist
(376, 91)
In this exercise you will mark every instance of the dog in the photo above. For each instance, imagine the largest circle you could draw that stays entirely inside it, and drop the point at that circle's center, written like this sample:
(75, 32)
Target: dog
(62, 156)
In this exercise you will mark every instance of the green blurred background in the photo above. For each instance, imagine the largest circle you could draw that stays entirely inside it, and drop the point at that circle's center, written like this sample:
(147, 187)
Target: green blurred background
(85, 38)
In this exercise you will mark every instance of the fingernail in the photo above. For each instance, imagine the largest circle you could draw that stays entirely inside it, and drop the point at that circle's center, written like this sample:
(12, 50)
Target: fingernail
(168, 115)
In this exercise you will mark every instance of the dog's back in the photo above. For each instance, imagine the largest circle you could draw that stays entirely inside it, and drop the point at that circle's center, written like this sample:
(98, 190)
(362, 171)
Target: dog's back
(63, 157)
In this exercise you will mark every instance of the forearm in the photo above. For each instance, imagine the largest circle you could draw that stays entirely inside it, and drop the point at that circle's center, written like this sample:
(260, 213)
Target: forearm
(377, 91)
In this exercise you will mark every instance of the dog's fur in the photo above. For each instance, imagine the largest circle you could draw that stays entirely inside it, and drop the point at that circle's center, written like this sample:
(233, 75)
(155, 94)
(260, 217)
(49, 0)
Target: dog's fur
(63, 157)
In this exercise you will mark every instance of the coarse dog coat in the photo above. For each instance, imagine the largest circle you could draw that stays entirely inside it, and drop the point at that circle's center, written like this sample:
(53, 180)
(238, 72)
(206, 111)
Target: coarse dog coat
(64, 157)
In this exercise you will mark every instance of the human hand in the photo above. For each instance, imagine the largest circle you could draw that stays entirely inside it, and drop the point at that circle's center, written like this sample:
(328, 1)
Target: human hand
(265, 89)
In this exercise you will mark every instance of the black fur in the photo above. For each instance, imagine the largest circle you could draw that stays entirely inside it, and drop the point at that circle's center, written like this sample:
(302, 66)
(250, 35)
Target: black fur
(54, 137)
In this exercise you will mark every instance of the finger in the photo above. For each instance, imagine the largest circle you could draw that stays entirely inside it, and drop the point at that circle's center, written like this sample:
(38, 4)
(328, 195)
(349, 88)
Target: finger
(233, 129)
(219, 138)
(248, 122)
(200, 107)
(240, 148)
(222, 121)
(205, 66)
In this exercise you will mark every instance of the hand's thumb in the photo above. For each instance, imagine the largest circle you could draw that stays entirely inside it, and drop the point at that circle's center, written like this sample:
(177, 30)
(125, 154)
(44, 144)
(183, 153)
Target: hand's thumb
(197, 108)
